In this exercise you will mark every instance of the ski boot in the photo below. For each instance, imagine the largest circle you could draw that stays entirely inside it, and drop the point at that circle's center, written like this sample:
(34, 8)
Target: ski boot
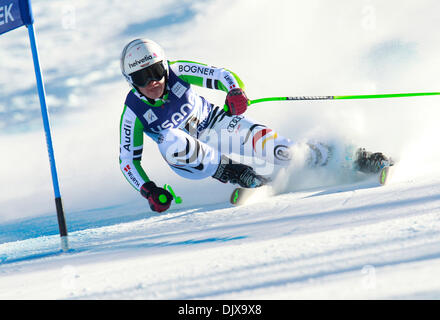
(370, 162)
(234, 172)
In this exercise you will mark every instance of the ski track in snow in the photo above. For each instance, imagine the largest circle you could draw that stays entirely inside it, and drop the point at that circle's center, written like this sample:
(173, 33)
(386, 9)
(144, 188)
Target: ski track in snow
(353, 241)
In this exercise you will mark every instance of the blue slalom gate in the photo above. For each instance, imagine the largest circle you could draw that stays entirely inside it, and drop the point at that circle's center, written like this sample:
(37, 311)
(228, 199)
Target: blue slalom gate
(14, 14)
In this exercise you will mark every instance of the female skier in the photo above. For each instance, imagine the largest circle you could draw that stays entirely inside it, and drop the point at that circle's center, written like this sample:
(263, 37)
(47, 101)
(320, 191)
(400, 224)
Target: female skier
(195, 137)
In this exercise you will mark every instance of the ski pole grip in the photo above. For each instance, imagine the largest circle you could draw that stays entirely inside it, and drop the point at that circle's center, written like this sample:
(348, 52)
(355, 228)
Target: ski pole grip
(163, 198)
(226, 108)
(170, 190)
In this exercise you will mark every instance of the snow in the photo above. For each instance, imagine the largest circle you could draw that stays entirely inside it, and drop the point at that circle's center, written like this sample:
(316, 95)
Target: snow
(359, 241)
(324, 238)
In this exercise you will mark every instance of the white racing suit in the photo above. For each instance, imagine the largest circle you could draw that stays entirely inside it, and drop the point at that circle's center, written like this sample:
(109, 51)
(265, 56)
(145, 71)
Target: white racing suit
(191, 133)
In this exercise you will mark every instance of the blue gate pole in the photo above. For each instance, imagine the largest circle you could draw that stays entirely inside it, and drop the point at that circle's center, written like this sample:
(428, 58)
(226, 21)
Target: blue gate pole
(42, 95)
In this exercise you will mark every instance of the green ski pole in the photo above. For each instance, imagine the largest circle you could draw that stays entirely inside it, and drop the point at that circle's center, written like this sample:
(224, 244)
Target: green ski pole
(362, 96)
(170, 190)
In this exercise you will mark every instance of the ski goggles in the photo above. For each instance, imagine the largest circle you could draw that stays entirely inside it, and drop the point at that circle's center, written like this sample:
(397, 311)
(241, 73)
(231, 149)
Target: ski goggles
(142, 77)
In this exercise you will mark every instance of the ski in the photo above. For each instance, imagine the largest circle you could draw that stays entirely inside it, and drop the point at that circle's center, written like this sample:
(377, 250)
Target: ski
(240, 195)
(385, 174)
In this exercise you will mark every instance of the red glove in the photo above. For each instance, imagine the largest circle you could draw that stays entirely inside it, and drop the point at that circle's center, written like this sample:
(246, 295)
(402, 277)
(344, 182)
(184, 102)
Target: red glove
(236, 101)
(158, 198)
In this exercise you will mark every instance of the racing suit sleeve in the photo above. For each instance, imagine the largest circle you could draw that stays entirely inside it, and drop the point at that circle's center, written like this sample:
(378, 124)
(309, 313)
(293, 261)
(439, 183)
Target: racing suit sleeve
(202, 75)
(130, 149)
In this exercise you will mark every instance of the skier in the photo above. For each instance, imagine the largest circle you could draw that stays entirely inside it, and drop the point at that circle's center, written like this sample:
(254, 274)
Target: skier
(191, 132)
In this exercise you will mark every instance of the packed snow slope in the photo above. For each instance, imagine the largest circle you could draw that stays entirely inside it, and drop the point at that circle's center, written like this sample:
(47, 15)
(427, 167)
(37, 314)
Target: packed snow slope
(326, 237)
(356, 241)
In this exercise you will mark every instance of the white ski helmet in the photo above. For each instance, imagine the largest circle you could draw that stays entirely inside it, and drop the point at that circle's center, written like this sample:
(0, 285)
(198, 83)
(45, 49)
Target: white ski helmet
(141, 54)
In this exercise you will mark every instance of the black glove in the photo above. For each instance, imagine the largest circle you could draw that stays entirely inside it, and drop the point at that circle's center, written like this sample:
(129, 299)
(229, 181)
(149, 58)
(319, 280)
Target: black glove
(158, 198)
